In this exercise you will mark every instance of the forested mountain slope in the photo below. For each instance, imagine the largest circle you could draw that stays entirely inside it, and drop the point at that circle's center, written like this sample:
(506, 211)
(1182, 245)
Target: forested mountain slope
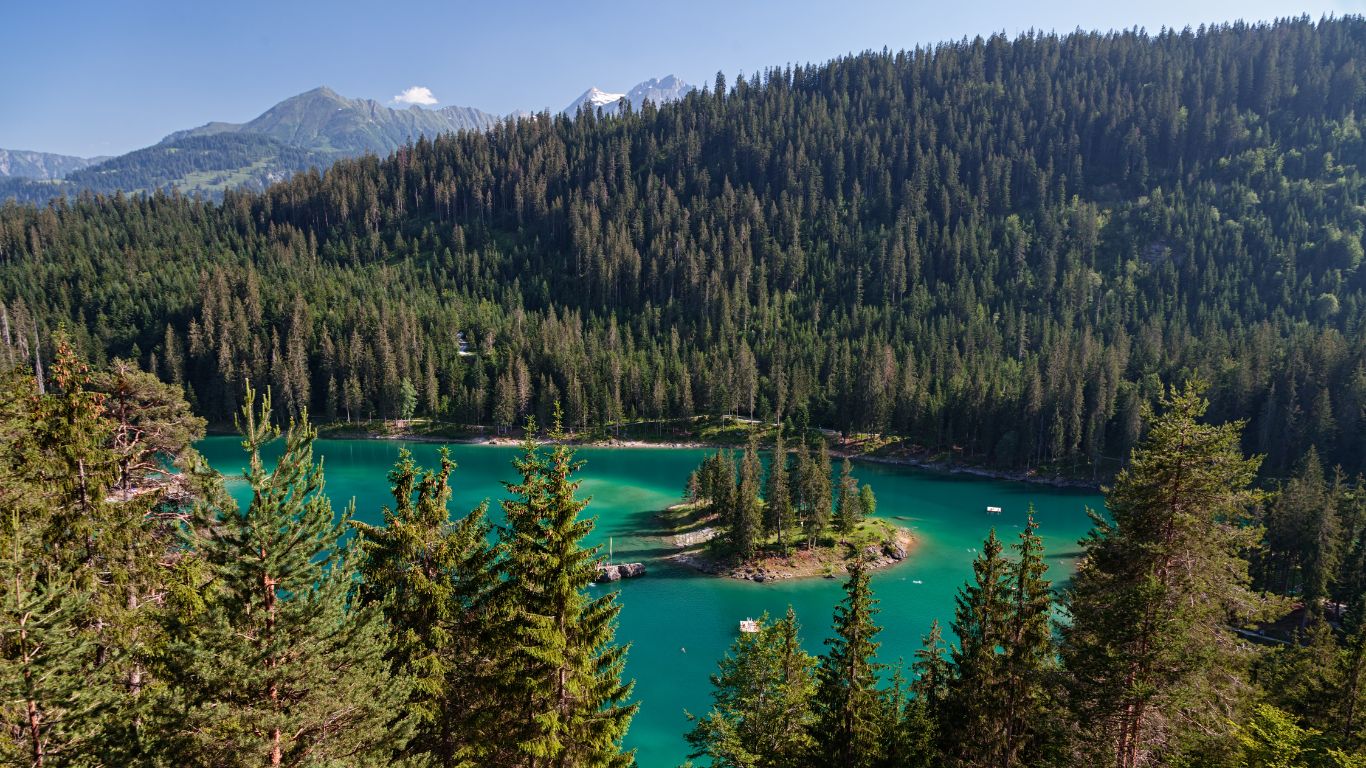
(992, 245)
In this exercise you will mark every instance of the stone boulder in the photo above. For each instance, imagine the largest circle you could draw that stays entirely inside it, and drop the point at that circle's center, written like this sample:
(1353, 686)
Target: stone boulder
(609, 573)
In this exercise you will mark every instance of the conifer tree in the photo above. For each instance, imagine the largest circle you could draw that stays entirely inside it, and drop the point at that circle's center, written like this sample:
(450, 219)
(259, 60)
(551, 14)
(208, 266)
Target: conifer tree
(778, 496)
(933, 672)
(152, 424)
(434, 579)
(1352, 698)
(814, 484)
(746, 526)
(110, 552)
(908, 729)
(1028, 653)
(761, 701)
(848, 505)
(848, 707)
(55, 700)
(565, 672)
(976, 701)
(1148, 651)
(280, 667)
(867, 502)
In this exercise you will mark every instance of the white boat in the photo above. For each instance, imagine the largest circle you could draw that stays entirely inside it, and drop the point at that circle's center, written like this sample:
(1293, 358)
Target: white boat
(993, 510)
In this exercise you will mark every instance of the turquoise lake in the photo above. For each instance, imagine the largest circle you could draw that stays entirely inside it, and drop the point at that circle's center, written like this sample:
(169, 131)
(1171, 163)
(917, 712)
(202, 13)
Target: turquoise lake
(679, 623)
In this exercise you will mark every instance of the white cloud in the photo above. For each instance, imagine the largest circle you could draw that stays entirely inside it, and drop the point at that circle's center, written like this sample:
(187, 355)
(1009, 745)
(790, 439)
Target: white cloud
(417, 94)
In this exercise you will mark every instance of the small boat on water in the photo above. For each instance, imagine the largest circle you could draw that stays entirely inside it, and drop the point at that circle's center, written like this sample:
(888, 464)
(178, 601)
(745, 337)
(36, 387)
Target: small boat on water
(993, 510)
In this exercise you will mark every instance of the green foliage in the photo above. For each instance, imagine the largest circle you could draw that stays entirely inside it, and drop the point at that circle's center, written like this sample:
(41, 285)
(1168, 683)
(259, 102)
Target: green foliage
(434, 579)
(849, 710)
(1272, 739)
(54, 707)
(853, 241)
(564, 675)
(813, 500)
(1148, 652)
(761, 702)
(848, 503)
(778, 512)
(282, 667)
(745, 527)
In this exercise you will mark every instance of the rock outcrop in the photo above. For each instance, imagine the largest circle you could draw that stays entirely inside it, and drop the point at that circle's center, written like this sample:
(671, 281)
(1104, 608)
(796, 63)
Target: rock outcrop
(609, 573)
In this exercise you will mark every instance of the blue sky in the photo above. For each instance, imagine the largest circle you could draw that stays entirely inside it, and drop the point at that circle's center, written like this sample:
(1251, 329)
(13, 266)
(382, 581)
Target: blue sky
(105, 77)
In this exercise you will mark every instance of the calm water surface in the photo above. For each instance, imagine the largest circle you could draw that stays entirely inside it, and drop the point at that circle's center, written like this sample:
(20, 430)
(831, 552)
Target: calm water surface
(679, 623)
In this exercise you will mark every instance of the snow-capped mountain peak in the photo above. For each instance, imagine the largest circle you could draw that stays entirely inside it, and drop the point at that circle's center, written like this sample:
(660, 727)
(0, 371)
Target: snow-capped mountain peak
(660, 90)
(597, 99)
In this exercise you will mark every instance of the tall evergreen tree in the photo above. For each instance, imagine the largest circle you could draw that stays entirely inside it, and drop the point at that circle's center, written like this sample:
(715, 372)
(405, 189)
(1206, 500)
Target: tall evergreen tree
(747, 525)
(434, 579)
(932, 669)
(848, 504)
(1148, 652)
(280, 667)
(1028, 663)
(976, 702)
(54, 706)
(814, 492)
(761, 701)
(847, 704)
(565, 672)
(778, 496)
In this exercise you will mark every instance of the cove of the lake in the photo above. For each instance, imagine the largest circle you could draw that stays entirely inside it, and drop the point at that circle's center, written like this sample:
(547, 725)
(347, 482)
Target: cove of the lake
(679, 623)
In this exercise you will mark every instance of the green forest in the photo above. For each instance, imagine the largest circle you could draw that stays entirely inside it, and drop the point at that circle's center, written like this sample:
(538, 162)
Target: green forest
(150, 620)
(1128, 258)
(1001, 248)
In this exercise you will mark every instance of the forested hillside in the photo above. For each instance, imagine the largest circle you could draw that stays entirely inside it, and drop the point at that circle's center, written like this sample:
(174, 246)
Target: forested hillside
(195, 165)
(1002, 247)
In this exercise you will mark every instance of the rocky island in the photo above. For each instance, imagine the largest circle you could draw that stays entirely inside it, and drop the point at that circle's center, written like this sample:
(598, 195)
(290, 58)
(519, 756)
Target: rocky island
(788, 524)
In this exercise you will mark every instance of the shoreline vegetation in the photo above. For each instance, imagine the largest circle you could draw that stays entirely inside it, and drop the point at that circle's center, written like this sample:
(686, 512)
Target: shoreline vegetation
(708, 432)
(874, 544)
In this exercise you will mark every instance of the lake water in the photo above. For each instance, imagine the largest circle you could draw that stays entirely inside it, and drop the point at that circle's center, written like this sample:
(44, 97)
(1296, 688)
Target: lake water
(679, 623)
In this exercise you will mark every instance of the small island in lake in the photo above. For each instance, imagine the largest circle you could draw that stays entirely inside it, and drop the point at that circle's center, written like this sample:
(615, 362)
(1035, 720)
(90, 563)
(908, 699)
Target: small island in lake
(790, 524)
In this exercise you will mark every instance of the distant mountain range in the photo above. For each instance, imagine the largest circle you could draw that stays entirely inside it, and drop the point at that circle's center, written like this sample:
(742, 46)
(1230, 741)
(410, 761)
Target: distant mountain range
(40, 165)
(325, 122)
(313, 129)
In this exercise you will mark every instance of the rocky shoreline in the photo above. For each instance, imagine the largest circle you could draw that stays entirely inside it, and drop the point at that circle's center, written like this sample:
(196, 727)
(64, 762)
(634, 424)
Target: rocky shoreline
(826, 562)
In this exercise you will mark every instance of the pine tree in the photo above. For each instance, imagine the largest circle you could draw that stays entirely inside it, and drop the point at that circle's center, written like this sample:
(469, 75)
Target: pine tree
(1147, 651)
(111, 552)
(1352, 698)
(848, 707)
(848, 505)
(867, 502)
(933, 672)
(746, 526)
(566, 671)
(434, 579)
(908, 729)
(280, 667)
(152, 423)
(761, 702)
(1028, 653)
(778, 496)
(814, 486)
(55, 701)
(976, 701)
